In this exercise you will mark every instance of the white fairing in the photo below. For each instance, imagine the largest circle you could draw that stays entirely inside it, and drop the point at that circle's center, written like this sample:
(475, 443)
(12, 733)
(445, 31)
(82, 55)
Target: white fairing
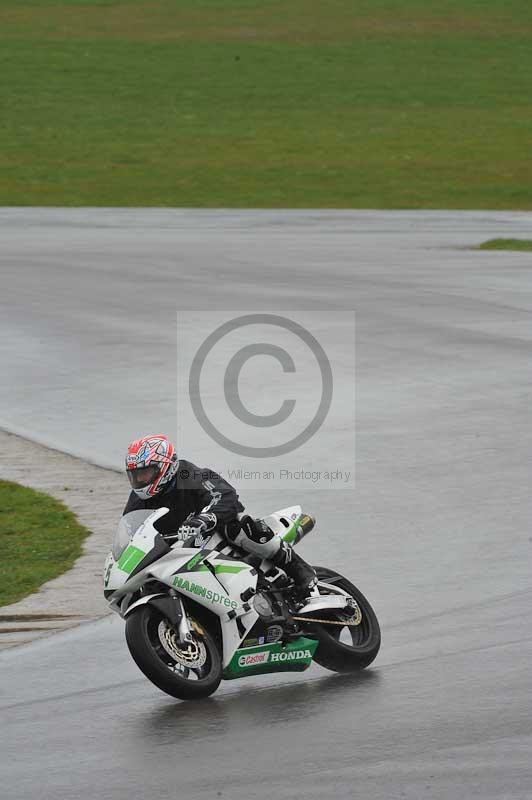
(209, 577)
(281, 522)
(218, 590)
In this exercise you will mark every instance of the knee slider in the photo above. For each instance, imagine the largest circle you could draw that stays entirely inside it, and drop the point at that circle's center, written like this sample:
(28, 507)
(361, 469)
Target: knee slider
(257, 538)
(256, 530)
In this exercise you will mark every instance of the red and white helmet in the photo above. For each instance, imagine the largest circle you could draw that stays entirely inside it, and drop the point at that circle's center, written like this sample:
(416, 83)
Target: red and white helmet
(151, 462)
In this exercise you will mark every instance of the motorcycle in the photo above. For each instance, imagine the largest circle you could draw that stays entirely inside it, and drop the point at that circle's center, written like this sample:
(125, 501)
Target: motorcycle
(197, 615)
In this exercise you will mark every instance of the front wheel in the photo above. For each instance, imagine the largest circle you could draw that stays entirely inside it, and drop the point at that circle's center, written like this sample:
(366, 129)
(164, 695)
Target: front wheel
(187, 672)
(350, 647)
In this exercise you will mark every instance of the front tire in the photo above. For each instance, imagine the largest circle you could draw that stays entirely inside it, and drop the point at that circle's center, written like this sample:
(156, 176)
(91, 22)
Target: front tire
(337, 655)
(156, 651)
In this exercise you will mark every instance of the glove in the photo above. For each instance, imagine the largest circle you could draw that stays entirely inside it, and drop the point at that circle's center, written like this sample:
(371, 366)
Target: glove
(198, 526)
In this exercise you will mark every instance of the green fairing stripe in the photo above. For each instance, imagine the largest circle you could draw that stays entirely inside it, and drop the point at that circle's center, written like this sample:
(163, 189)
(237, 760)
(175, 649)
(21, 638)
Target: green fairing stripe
(291, 533)
(218, 568)
(130, 558)
(193, 561)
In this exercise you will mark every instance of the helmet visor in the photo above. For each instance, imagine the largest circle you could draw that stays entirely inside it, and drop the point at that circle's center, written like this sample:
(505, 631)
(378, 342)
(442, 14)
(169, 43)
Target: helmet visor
(142, 477)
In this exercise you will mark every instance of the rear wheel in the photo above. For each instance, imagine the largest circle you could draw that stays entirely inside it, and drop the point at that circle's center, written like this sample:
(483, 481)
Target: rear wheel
(188, 671)
(346, 648)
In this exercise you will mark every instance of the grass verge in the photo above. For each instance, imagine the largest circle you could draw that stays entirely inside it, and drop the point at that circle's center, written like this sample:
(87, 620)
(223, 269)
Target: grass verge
(285, 103)
(506, 244)
(40, 539)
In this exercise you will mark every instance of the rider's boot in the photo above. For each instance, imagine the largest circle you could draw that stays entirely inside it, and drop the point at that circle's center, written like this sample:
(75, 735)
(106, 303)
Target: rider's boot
(303, 575)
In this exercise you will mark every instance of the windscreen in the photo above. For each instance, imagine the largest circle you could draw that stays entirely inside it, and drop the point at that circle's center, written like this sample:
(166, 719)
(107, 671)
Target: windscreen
(127, 527)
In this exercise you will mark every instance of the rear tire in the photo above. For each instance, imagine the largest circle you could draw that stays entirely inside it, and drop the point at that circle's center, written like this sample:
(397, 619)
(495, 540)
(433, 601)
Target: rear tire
(333, 654)
(146, 648)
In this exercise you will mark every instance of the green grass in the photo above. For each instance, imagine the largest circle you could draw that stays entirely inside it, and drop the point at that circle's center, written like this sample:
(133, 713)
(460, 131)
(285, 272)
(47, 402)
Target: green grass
(39, 539)
(506, 244)
(266, 103)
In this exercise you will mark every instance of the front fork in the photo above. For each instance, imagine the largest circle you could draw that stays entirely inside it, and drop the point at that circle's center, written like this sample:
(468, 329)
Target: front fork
(184, 630)
(171, 605)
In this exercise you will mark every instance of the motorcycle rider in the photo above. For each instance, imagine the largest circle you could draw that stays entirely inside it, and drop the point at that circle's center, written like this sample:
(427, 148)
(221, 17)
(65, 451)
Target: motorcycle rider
(200, 502)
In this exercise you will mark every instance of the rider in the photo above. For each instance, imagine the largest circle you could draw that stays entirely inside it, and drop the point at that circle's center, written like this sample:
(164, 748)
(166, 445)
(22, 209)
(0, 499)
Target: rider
(200, 502)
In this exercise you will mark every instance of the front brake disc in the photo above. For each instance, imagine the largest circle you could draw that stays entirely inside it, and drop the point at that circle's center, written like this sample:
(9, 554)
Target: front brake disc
(191, 654)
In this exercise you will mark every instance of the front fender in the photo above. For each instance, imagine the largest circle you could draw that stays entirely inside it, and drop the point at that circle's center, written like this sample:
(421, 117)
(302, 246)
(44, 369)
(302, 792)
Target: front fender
(141, 602)
(167, 604)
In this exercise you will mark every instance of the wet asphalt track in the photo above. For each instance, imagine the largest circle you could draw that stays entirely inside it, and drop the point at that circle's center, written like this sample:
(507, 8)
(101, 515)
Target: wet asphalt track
(437, 533)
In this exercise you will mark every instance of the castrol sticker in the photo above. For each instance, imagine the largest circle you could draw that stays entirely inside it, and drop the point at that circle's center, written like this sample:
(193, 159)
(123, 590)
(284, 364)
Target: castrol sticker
(253, 659)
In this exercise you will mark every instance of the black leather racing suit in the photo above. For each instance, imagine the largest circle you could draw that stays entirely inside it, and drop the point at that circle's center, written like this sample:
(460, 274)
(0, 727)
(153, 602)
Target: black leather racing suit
(193, 490)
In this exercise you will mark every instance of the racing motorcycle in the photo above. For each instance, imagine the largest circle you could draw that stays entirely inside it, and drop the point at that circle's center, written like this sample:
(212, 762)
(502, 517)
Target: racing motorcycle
(195, 616)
